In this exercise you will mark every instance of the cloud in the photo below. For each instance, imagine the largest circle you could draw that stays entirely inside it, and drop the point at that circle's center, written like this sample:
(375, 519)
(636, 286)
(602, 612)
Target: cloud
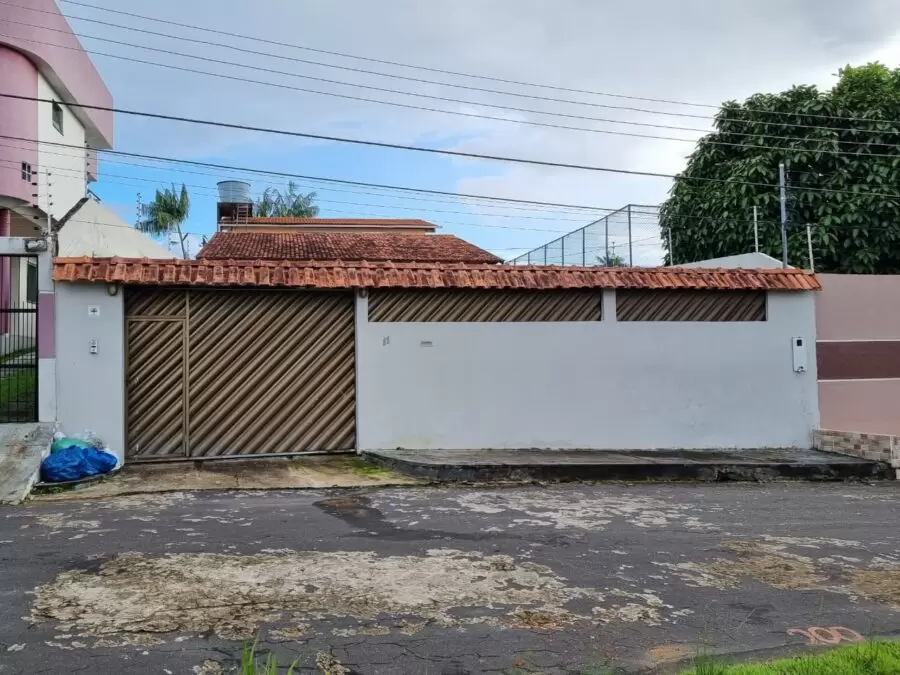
(692, 50)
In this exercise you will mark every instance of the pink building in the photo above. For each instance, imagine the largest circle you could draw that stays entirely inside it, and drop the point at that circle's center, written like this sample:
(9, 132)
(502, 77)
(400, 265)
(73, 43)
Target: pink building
(858, 347)
(45, 168)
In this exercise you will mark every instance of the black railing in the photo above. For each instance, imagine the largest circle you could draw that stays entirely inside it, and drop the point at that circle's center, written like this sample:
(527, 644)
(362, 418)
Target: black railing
(18, 362)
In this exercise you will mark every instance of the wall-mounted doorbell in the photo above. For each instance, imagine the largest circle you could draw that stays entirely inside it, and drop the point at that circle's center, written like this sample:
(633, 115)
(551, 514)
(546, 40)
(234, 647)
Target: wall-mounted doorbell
(798, 346)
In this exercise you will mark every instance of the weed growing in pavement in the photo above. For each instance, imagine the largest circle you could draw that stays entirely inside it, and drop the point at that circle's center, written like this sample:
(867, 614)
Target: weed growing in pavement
(252, 665)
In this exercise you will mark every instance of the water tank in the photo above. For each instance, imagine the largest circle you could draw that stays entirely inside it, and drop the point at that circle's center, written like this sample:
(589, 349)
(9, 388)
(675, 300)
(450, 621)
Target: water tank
(234, 192)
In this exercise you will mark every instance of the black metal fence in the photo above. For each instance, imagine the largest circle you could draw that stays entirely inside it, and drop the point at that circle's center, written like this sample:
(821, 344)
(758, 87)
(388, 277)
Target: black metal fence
(18, 356)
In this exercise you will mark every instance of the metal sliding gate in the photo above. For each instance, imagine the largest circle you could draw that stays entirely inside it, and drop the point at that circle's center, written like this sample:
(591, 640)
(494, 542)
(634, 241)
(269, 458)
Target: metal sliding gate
(18, 339)
(213, 373)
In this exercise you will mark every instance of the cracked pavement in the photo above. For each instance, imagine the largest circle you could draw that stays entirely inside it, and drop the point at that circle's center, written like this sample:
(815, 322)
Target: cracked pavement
(447, 581)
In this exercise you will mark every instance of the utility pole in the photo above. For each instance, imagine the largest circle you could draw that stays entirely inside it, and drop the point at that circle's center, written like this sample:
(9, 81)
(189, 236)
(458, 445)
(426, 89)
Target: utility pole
(671, 252)
(784, 239)
(756, 229)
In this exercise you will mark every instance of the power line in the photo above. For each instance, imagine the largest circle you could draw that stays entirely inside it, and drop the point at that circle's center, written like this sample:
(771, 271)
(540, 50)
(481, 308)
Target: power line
(395, 76)
(57, 172)
(284, 174)
(341, 82)
(331, 201)
(710, 138)
(396, 104)
(653, 214)
(330, 65)
(455, 85)
(413, 148)
(609, 211)
(455, 73)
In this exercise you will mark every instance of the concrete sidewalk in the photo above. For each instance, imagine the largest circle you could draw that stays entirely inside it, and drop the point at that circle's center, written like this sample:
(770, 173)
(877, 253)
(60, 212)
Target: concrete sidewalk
(22, 447)
(318, 471)
(632, 465)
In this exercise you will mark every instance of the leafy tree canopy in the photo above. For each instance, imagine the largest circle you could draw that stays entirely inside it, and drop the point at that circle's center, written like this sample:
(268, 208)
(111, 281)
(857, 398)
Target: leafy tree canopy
(286, 203)
(855, 229)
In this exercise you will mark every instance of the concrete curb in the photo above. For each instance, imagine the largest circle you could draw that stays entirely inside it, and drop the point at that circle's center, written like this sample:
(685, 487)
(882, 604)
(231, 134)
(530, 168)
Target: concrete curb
(636, 472)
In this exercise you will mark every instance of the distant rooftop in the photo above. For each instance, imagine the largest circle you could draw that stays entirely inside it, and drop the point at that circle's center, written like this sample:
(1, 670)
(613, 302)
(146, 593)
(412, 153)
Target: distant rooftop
(348, 246)
(258, 222)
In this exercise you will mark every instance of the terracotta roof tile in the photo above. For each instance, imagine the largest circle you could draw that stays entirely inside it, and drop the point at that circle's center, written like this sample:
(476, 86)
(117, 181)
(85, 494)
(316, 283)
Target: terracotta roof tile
(338, 222)
(345, 275)
(328, 246)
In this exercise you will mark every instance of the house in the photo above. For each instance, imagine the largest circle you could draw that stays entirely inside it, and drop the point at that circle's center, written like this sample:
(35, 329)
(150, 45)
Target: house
(858, 348)
(47, 161)
(47, 168)
(94, 230)
(747, 261)
(210, 358)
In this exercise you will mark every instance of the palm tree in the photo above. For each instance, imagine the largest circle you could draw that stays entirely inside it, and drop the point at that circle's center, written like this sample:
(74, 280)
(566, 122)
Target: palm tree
(611, 259)
(290, 203)
(165, 214)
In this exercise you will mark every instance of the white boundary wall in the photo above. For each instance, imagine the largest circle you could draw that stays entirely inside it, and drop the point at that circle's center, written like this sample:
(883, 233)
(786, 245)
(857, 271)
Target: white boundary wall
(601, 385)
(91, 387)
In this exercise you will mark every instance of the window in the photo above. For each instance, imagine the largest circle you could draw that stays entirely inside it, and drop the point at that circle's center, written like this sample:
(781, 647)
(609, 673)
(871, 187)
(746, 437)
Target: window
(31, 285)
(26, 171)
(58, 116)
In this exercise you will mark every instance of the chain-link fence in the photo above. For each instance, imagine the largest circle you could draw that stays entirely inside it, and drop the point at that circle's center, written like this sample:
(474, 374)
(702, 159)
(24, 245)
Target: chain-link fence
(629, 237)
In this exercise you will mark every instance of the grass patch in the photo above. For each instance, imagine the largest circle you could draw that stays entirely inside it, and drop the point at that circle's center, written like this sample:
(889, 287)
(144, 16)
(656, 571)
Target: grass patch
(18, 395)
(869, 658)
(19, 386)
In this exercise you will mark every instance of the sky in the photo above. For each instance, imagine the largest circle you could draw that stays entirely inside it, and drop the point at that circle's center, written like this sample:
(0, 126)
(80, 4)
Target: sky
(696, 51)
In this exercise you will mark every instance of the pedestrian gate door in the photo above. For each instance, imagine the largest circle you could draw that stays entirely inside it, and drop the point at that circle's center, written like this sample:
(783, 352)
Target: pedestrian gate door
(215, 373)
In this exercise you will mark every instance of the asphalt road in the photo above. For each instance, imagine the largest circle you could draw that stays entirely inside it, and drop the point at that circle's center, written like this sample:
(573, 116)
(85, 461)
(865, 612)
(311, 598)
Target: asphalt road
(561, 579)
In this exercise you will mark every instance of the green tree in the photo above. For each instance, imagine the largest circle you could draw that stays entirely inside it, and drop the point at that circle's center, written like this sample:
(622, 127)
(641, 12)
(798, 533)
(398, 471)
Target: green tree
(287, 203)
(841, 150)
(166, 213)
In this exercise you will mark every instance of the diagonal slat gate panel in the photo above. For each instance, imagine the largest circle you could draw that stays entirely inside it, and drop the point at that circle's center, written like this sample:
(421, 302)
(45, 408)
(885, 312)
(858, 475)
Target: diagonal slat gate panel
(155, 302)
(155, 389)
(484, 305)
(270, 372)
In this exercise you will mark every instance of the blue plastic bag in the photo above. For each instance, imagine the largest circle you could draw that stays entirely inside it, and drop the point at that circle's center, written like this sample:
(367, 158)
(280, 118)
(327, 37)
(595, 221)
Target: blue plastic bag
(74, 463)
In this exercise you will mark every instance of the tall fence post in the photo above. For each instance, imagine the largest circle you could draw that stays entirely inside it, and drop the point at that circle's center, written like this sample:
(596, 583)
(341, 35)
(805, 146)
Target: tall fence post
(630, 254)
(584, 247)
(606, 227)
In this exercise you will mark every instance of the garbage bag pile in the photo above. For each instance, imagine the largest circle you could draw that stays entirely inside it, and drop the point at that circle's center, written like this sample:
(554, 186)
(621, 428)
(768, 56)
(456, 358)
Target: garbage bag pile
(76, 457)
